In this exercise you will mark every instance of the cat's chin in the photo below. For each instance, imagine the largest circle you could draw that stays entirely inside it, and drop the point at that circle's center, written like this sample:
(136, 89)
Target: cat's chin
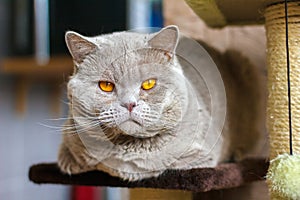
(134, 129)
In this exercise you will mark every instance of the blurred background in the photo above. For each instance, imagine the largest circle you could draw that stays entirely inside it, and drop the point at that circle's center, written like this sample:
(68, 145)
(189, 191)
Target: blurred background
(35, 65)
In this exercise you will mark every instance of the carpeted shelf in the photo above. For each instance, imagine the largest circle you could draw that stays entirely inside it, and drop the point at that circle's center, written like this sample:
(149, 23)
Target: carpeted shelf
(224, 176)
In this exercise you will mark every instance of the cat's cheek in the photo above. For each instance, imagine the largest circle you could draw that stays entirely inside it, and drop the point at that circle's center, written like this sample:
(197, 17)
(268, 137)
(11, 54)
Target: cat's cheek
(71, 93)
(74, 90)
(73, 82)
(144, 94)
(106, 99)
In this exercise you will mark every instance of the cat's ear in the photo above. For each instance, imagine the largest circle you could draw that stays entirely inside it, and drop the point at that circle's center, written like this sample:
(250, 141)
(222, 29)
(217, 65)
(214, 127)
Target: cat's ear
(79, 46)
(166, 39)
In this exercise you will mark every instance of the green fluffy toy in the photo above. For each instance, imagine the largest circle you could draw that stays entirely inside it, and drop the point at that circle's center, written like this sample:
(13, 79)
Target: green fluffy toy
(284, 177)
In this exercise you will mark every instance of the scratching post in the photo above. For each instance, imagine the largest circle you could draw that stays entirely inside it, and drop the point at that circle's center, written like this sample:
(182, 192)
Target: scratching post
(283, 177)
(277, 122)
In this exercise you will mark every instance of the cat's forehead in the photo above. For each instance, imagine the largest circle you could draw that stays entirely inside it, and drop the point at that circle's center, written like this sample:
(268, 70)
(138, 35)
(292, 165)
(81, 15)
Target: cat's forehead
(124, 54)
(123, 40)
(136, 64)
(125, 49)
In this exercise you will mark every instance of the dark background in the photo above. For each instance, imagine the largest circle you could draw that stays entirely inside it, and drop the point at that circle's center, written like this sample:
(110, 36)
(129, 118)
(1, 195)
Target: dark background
(89, 17)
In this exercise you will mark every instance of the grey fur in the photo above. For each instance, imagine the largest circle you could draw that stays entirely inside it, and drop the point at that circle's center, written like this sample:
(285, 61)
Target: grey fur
(158, 134)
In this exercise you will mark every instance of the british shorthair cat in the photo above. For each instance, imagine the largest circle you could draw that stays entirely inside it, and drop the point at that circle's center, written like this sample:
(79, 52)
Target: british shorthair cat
(135, 110)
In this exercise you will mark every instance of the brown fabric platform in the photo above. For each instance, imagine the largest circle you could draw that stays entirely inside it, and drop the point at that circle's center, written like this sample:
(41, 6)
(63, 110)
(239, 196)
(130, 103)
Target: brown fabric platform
(224, 176)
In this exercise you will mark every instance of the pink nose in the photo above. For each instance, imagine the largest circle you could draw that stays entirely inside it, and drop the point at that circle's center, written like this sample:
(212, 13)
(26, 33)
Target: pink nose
(130, 106)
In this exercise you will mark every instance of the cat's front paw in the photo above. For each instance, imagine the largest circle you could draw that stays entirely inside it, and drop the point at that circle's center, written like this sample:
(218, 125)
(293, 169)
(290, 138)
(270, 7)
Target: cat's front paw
(67, 163)
(68, 166)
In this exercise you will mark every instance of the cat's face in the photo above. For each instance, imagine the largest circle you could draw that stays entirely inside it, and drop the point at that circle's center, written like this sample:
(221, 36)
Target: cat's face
(127, 83)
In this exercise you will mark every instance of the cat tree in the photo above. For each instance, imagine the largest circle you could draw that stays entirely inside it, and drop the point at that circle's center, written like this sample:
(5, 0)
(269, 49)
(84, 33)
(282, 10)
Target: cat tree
(283, 54)
(219, 13)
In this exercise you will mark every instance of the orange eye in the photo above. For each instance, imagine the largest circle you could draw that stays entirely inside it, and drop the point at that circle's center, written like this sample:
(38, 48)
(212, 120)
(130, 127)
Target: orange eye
(106, 86)
(148, 84)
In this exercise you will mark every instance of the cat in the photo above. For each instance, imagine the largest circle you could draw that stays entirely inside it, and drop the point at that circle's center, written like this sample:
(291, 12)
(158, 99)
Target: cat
(135, 110)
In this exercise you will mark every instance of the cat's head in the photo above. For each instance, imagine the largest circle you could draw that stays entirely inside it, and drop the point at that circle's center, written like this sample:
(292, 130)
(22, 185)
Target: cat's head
(127, 83)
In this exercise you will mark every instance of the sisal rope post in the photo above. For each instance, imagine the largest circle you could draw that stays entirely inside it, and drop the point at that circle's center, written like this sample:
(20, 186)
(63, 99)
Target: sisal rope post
(284, 174)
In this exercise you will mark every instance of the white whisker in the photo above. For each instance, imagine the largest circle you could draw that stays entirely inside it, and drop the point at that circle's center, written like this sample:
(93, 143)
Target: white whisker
(85, 128)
